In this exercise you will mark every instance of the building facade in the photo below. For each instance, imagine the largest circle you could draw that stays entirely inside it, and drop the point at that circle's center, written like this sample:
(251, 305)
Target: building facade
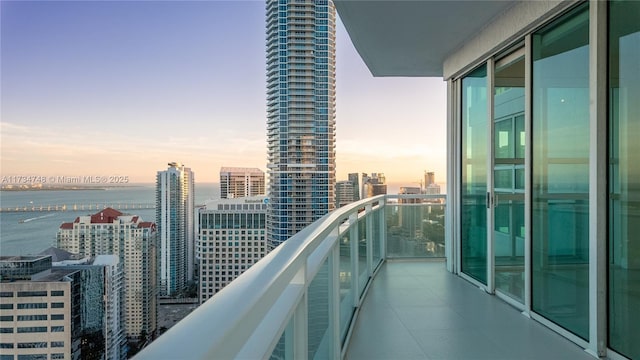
(300, 51)
(238, 182)
(232, 238)
(65, 310)
(175, 221)
(355, 180)
(430, 186)
(115, 341)
(543, 163)
(134, 241)
(344, 193)
(374, 184)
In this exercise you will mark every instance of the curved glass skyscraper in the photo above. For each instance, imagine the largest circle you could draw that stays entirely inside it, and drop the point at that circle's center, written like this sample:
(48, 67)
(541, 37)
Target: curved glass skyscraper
(300, 114)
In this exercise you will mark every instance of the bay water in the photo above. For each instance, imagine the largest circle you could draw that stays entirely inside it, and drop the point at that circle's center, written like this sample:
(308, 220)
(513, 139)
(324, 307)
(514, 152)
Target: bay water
(30, 232)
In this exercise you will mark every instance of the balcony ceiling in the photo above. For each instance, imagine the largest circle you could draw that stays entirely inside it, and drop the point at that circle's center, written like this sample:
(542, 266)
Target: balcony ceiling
(413, 38)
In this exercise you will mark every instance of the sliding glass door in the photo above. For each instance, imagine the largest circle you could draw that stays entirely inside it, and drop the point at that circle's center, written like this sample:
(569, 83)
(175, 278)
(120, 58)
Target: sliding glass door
(474, 152)
(509, 175)
(560, 173)
(624, 177)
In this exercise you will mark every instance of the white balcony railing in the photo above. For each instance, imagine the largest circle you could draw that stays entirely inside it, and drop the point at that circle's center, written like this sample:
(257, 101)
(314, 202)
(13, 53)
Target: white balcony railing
(300, 300)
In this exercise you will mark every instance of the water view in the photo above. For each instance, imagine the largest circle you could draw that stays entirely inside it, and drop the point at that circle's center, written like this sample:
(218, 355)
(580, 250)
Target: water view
(30, 232)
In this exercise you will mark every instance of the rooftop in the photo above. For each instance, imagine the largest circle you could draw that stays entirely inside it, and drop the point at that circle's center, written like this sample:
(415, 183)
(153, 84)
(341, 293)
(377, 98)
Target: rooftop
(231, 169)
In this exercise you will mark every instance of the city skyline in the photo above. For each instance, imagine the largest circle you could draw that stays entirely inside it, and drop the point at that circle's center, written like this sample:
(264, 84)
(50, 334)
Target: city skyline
(85, 84)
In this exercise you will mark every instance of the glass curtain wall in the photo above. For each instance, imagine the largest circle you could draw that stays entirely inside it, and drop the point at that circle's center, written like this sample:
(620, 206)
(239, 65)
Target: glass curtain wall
(560, 173)
(509, 153)
(624, 177)
(474, 152)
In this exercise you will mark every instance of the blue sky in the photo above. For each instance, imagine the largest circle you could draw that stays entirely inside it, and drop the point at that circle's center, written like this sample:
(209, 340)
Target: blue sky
(122, 88)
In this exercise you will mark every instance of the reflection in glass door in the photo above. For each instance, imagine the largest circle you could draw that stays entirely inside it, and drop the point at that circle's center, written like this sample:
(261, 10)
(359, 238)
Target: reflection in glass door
(473, 212)
(508, 175)
(560, 171)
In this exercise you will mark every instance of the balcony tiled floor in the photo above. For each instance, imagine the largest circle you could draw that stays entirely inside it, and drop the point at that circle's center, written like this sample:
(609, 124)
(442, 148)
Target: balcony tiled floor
(418, 310)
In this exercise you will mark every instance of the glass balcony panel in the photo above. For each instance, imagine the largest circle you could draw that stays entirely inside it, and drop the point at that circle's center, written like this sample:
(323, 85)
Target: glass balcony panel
(415, 230)
(284, 347)
(377, 256)
(363, 271)
(319, 345)
(346, 290)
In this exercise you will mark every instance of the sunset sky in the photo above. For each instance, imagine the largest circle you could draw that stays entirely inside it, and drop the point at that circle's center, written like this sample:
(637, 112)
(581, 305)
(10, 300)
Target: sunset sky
(122, 88)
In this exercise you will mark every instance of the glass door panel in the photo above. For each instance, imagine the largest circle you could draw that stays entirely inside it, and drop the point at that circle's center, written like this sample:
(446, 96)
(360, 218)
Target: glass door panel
(624, 177)
(508, 175)
(560, 172)
(474, 152)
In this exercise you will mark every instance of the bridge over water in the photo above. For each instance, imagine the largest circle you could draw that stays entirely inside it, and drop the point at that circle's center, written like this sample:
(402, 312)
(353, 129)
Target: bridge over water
(78, 207)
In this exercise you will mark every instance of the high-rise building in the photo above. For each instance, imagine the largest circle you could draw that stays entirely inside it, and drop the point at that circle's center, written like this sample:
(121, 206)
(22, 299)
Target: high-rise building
(373, 185)
(410, 217)
(238, 182)
(300, 51)
(429, 178)
(68, 309)
(354, 178)
(134, 242)
(232, 238)
(175, 221)
(430, 186)
(344, 193)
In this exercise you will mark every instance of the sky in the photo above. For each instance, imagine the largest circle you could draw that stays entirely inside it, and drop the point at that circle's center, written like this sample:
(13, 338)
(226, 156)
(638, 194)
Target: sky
(106, 88)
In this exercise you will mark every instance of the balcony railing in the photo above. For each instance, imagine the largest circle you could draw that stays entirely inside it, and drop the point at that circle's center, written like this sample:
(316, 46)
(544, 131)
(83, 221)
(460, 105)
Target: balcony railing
(301, 300)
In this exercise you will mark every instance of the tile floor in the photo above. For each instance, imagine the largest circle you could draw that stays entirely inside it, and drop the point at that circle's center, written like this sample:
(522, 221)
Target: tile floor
(418, 310)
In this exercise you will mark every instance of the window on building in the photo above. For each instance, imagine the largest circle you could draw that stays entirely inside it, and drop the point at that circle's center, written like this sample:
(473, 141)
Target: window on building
(32, 345)
(31, 293)
(32, 317)
(32, 306)
(32, 329)
(33, 357)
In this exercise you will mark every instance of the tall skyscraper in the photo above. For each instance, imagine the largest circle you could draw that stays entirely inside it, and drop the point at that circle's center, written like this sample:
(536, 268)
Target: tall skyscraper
(175, 221)
(238, 182)
(134, 242)
(300, 51)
